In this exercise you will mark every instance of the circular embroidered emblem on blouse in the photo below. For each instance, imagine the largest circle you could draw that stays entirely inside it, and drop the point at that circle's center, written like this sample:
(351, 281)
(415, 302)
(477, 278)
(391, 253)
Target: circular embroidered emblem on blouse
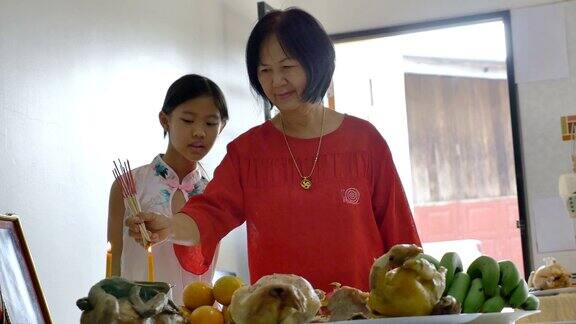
(351, 196)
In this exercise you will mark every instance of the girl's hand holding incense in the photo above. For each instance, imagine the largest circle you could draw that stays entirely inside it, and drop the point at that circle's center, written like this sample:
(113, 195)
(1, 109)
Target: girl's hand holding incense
(180, 228)
(157, 225)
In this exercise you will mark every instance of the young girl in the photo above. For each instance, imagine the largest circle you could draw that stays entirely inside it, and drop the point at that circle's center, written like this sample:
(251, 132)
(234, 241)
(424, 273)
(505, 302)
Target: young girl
(193, 114)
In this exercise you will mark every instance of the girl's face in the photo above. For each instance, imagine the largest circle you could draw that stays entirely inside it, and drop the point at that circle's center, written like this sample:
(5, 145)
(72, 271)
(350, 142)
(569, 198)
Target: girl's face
(193, 127)
(282, 78)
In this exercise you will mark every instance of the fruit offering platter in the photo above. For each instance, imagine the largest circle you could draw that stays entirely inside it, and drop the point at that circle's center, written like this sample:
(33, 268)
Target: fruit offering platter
(405, 286)
(476, 318)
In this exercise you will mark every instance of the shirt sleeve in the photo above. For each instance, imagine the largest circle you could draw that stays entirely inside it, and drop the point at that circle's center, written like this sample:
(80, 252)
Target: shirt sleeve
(391, 209)
(216, 212)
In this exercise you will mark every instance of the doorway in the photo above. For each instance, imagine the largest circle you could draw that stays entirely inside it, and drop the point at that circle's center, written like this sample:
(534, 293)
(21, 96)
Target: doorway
(443, 96)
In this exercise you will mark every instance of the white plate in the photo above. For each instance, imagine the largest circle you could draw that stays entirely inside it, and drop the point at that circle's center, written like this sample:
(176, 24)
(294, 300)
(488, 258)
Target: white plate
(476, 318)
(549, 292)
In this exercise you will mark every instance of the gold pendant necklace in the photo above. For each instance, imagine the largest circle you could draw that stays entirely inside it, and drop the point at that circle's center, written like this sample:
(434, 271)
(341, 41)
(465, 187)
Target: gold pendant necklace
(305, 181)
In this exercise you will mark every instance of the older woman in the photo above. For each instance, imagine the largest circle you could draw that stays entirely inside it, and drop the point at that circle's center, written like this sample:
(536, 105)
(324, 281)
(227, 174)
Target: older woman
(318, 190)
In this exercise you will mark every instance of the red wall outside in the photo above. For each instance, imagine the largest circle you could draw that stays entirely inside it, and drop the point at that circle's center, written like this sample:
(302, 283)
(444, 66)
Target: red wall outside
(493, 222)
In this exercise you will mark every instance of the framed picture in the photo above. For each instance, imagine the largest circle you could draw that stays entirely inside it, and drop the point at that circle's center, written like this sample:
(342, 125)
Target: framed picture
(21, 298)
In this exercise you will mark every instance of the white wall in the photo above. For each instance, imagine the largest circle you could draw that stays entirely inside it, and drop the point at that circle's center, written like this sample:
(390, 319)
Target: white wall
(81, 83)
(545, 156)
(541, 103)
(373, 88)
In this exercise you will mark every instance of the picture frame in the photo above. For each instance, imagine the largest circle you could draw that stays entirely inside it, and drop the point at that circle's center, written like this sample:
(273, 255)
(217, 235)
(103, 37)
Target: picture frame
(20, 291)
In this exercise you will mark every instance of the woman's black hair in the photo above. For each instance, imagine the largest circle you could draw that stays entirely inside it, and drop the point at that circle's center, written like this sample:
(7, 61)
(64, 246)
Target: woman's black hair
(192, 86)
(303, 38)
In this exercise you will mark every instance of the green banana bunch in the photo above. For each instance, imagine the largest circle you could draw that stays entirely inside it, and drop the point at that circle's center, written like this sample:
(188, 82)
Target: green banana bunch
(460, 286)
(487, 269)
(499, 291)
(531, 303)
(453, 264)
(514, 287)
(475, 297)
(493, 305)
(519, 295)
(430, 259)
(487, 286)
(509, 277)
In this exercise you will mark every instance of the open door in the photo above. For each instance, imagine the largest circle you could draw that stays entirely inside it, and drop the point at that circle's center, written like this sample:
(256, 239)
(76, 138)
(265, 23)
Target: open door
(443, 95)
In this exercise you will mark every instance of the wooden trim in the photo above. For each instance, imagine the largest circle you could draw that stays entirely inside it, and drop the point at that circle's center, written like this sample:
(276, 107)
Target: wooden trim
(524, 225)
(263, 9)
(414, 27)
(30, 264)
(330, 96)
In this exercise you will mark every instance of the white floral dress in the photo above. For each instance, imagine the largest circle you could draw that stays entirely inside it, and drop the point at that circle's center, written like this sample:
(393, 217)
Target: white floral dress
(156, 184)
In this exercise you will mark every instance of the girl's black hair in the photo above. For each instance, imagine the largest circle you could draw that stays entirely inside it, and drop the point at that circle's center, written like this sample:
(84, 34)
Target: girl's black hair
(303, 38)
(192, 86)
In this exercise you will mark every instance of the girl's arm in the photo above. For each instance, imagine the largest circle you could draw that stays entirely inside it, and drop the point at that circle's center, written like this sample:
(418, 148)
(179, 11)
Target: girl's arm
(180, 228)
(115, 226)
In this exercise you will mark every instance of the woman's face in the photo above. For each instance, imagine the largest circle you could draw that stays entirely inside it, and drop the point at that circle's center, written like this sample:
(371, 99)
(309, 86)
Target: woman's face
(193, 127)
(282, 78)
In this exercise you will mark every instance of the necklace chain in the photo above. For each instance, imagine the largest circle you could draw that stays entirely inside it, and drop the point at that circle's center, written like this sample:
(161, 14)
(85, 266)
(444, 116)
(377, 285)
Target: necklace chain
(305, 182)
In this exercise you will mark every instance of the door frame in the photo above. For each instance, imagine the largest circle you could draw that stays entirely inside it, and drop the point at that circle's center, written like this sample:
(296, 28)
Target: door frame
(504, 16)
(264, 8)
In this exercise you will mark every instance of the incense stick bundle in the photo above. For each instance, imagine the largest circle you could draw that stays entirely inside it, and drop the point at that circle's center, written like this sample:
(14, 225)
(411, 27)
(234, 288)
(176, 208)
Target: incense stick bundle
(123, 174)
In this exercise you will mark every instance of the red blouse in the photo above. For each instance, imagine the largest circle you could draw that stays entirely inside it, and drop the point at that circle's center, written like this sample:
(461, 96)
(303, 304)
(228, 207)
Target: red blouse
(354, 212)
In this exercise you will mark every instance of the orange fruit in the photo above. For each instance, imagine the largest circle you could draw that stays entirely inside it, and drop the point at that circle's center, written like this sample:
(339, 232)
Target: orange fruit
(206, 315)
(225, 287)
(197, 294)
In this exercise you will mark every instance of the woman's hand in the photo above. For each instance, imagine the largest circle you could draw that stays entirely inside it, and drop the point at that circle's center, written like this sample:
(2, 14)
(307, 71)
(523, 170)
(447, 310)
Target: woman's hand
(157, 225)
